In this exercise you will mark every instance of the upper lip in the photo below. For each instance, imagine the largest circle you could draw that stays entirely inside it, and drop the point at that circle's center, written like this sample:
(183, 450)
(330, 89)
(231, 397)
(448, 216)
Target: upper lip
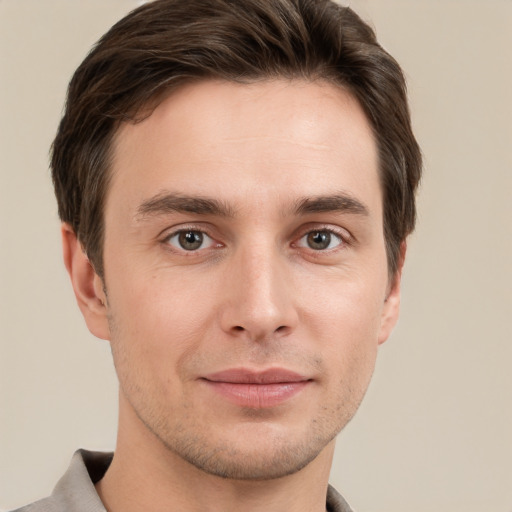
(247, 376)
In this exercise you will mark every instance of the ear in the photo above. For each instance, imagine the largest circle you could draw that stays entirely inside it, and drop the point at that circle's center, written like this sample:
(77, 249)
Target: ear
(87, 285)
(391, 309)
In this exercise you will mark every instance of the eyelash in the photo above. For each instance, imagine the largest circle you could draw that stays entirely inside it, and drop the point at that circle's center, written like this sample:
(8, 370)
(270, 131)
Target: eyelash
(188, 229)
(345, 239)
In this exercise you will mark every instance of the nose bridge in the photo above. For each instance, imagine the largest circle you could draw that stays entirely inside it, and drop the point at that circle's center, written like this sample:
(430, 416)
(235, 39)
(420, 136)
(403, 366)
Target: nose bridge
(259, 301)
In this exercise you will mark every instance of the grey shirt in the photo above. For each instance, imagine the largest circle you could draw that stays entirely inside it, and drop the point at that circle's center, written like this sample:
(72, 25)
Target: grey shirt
(75, 491)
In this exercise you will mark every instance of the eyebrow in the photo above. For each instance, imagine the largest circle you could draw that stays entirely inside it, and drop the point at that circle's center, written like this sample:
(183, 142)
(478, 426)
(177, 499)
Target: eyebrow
(343, 203)
(165, 203)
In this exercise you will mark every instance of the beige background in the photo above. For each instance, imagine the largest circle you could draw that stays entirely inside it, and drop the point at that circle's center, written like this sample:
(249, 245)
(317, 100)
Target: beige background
(435, 430)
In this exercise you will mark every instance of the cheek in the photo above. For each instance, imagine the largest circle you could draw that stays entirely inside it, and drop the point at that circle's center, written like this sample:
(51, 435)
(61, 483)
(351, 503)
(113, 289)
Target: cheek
(346, 306)
(155, 326)
(345, 318)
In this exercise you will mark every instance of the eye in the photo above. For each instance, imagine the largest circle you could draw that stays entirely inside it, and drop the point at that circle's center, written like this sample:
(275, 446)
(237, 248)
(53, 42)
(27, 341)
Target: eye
(320, 240)
(190, 240)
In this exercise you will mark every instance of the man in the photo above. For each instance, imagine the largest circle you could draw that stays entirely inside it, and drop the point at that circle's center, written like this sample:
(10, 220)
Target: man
(236, 183)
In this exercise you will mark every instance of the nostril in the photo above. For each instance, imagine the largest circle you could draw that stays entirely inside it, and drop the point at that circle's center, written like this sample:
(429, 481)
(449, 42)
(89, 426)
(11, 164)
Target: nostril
(280, 328)
(238, 328)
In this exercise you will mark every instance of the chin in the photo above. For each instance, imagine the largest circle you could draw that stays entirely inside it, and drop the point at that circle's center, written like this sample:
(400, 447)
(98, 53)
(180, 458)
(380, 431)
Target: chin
(253, 452)
(265, 463)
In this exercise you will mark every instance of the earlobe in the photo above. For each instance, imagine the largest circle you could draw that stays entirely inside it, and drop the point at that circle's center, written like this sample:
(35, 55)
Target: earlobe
(87, 285)
(391, 309)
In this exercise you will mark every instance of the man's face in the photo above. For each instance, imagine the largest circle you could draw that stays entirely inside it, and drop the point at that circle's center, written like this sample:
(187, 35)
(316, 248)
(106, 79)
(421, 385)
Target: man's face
(245, 271)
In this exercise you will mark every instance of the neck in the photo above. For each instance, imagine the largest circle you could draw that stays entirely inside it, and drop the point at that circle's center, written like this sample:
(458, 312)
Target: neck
(145, 475)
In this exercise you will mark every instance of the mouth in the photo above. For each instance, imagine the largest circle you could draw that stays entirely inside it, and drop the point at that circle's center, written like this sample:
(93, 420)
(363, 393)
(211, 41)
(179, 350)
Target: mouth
(256, 389)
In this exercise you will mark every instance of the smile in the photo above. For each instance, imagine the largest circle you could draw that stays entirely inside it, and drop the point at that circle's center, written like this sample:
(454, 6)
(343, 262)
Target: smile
(256, 390)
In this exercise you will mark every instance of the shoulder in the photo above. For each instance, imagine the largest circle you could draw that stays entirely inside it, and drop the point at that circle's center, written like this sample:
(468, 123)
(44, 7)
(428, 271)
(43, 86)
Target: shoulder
(75, 491)
(45, 505)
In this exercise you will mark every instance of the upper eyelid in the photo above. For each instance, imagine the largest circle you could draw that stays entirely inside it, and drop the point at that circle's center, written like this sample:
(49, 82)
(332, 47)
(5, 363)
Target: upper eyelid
(168, 232)
(343, 233)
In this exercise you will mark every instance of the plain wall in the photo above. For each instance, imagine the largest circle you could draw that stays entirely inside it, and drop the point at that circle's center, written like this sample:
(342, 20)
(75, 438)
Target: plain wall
(435, 430)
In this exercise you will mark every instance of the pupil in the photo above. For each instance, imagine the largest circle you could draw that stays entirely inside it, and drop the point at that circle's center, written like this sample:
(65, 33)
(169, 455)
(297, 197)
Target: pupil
(191, 240)
(319, 240)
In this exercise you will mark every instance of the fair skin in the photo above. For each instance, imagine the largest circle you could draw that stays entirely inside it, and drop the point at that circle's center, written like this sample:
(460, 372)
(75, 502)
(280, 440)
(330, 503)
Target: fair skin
(246, 292)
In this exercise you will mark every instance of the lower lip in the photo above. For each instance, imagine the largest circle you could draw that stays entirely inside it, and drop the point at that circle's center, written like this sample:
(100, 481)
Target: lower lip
(257, 396)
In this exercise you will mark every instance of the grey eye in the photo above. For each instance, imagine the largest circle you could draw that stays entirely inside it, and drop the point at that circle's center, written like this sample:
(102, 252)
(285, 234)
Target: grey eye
(320, 240)
(190, 240)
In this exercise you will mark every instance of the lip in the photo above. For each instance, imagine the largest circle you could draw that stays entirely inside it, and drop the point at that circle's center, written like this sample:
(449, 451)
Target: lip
(256, 389)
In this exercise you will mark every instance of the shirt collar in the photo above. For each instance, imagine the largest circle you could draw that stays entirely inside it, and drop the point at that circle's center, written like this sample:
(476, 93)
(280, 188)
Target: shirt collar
(75, 491)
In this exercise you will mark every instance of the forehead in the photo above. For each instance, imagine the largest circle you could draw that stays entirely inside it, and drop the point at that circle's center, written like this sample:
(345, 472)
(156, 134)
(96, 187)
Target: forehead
(268, 139)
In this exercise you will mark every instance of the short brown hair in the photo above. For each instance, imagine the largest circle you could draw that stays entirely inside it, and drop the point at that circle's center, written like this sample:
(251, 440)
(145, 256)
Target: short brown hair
(165, 44)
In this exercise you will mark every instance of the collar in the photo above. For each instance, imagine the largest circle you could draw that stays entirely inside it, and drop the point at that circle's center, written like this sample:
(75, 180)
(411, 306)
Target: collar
(75, 491)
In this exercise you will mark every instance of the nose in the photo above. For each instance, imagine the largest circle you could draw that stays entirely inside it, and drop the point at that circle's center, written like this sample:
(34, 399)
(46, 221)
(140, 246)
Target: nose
(259, 303)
